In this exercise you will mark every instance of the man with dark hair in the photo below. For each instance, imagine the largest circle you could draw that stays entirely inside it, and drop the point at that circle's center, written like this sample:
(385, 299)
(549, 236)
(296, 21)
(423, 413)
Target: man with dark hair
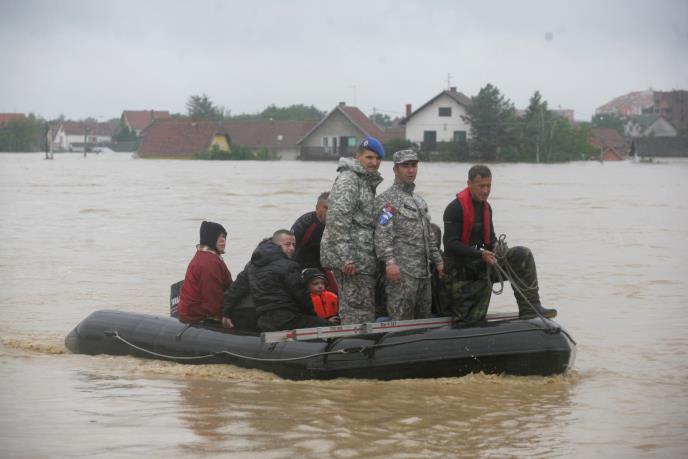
(308, 230)
(274, 282)
(206, 277)
(469, 245)
(347, 242)
(405, 243)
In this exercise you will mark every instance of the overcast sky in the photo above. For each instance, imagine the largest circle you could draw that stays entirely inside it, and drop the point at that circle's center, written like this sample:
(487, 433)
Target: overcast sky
(97, 58)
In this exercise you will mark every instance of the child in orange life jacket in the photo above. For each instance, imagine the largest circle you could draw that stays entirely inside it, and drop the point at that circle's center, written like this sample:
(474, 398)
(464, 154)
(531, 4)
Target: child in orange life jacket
(325, 303)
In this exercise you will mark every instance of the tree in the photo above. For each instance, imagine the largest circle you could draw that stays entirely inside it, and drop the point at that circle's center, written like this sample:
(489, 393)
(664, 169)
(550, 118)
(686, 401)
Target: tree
(492, 119)
(297, 112)
(123, 133)
(202, 107)
(381, 119)
(608, 121)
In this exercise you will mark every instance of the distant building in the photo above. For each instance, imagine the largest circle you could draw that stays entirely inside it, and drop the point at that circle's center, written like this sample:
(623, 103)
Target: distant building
(610, 144)
(649, 126)
(7, 117)
(80, 135)
(660, 147)
(438, 120)
(182, 138)
(138, 120)
(279, 136)
(633, 103)
(339, 133)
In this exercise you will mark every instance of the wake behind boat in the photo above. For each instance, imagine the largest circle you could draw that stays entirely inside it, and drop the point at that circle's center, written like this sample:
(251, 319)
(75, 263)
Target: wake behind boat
(428, 348)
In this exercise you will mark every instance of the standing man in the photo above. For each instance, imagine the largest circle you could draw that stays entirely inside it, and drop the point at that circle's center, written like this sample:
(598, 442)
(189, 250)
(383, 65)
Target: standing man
(469, 244)
(347, 246)
(308, 230)
(405, 243)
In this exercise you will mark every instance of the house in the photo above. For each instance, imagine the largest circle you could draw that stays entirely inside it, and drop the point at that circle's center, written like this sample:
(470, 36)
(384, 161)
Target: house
(438, 120)
(649, 126)
(633, 103)
(77, 135)
(182, 138)
(672, 105)
(138, 120)
(610, 144)
(660, 147)
(339, 133)
(279, 136)
(7, 117)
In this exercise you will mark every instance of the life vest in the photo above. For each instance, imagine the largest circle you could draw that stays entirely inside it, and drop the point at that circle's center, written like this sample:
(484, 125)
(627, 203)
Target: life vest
(325, 304)
(464, 197)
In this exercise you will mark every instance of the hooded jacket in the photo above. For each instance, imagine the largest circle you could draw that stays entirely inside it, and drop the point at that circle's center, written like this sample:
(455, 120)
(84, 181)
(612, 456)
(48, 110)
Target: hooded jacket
(273, 280)
(348, 235)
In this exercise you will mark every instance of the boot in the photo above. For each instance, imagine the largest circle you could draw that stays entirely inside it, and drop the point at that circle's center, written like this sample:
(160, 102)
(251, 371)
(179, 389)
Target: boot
(526, 311)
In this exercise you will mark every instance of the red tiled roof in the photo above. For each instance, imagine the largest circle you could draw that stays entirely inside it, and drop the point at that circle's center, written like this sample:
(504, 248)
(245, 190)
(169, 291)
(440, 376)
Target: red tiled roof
(179, 137)
(79, 127)
(361, 121)
(139, 119)
(606, 137)
(266, 134)
(7, 117)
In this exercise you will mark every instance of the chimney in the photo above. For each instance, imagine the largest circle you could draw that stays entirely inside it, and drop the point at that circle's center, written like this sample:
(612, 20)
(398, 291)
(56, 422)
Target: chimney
(408, 110)
(452, 88)
(342, 104)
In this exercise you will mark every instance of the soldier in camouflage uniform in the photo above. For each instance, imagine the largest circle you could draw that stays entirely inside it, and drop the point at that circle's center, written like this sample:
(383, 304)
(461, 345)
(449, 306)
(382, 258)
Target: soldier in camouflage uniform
(347, 242)
(405, 244)
(469, 245)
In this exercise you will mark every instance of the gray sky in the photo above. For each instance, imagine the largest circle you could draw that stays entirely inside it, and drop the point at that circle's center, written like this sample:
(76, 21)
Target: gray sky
(97, 58)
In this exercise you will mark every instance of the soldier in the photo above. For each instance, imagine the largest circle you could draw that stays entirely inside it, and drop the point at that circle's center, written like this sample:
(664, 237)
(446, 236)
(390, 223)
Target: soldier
(347, 243)
(405, 243)
(469, 245)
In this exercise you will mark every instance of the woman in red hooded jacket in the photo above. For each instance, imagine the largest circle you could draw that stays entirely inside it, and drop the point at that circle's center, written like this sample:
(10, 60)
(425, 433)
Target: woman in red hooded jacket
(207, 277)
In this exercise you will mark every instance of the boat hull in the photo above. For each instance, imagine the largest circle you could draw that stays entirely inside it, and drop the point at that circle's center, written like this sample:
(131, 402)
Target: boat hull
(517, 347)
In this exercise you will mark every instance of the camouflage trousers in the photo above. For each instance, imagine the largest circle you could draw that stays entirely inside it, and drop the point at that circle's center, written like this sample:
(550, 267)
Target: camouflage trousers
(356, 297)
(410, 298)
(466, 291)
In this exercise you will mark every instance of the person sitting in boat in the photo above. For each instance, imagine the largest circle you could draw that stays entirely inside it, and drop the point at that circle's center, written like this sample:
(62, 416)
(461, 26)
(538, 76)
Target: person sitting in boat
(325, 302)
(274, 280)
(470, 243)
(206, 279)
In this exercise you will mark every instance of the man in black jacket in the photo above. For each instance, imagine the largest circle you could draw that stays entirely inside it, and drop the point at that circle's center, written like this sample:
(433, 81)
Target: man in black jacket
(274, 282)
(308, 230)
(469, 245)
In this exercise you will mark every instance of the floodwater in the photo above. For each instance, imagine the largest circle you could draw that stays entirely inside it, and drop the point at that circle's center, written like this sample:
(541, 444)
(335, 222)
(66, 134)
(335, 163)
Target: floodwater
(109, 231)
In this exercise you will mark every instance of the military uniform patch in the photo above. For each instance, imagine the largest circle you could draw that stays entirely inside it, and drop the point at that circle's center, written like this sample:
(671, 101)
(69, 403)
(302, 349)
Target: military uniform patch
(388, 212)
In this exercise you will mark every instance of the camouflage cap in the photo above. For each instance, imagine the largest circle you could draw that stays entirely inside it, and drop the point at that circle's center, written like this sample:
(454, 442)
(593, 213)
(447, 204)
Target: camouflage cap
(404, 156)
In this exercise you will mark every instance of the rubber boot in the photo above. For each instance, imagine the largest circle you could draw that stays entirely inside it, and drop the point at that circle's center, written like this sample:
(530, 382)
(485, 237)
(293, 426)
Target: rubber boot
(525, 311)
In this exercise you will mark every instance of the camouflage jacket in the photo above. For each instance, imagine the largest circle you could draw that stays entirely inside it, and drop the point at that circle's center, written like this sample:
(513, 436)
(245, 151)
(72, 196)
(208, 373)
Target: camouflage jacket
(348, 235)
(402, 231)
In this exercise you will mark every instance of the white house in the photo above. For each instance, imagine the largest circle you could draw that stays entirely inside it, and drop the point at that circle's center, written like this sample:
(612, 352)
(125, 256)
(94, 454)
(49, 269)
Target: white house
(438, 120)
(649, 126)
(73, 135)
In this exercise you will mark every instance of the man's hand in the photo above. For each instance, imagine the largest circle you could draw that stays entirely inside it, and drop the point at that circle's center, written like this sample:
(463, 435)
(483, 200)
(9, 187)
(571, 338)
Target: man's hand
(489, 257)
(227, 322)
(393, 272)
(440, 270)
(349, 269)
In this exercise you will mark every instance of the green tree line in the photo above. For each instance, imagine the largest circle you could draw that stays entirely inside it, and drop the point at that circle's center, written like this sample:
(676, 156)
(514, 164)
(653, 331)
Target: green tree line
(25, 135)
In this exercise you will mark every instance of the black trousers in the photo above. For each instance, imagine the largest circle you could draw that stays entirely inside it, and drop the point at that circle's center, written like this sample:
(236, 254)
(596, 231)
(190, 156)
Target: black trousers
(285, 319)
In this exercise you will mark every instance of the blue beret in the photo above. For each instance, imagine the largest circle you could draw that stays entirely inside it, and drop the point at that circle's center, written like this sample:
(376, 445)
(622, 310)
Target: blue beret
(374, 145)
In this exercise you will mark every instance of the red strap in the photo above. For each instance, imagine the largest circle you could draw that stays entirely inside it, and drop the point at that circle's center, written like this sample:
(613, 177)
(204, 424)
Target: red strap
(309, 232)
(464, 197)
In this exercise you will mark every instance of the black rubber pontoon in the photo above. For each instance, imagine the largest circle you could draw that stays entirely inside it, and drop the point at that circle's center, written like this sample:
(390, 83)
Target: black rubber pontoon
(517, 347)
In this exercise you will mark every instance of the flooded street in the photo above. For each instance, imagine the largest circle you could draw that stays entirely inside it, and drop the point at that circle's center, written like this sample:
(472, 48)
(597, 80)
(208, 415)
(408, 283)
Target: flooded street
(108, 231)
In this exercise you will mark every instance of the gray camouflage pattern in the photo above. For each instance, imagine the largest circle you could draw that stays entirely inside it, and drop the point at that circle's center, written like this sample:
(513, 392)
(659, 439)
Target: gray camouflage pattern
(348, 235)
(356, 297)
(410, 298)
(406, 238)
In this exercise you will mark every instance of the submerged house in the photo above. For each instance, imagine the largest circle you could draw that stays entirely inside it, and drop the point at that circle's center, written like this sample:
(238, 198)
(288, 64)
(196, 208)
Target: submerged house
(182, 138)
(438, 120)
(138, 120)
(279, 136)
(339, 133)
(610, 144)
(660, 147)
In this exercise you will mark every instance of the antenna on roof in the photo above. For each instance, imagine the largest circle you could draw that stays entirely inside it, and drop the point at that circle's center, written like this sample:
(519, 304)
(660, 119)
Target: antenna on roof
(448, 80)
